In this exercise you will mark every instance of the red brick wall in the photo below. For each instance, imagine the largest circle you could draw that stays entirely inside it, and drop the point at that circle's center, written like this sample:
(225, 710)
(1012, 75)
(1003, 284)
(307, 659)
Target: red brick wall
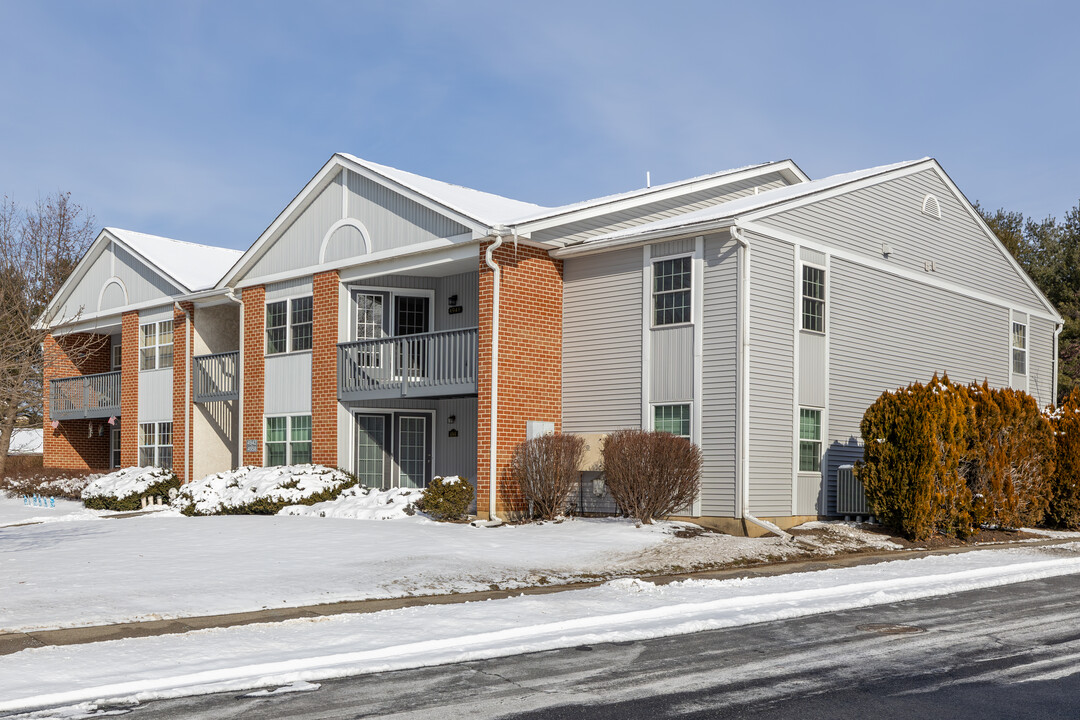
(530, 361)
(181, 391)
(129, 390)
(324, 369)
(254, 299)
(75, 444)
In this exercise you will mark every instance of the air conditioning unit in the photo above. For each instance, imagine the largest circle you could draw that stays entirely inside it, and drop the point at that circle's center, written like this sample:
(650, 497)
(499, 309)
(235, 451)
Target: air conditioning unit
(850, 498)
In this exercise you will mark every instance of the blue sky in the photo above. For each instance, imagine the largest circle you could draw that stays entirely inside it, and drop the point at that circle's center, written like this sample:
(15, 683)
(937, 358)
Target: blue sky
(201, 120)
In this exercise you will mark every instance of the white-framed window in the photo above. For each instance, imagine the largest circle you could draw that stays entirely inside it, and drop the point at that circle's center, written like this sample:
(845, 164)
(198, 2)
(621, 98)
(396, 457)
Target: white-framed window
(672, 290)
(156, 345)
(288, 440)
(813, 299)
(114, 445)
(289, 325)
(674, 419)
(116, 355)
(1019, 348)
(155, 444)
(809, 440)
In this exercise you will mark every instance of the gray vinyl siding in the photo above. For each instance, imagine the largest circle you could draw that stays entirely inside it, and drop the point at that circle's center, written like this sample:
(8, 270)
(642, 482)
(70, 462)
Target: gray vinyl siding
(887, 332)
(671, 364)
(465, 285)
(143, 285)
(112, 298)
(298, 287)
(680, 246)
(602, 326)
(391, 220)
(610, 222)
(84, 296)
(1041, 381)
(719, 377)
(891, 212)
(289, 378)
(812, 380)
(155, 395)
(165, 312)
(772, 371)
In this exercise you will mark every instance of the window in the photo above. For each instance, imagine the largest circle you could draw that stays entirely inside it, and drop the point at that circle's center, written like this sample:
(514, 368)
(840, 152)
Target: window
(1019, 348)
(809, 440)
(813, 299)
(117, 355)
(289, 325)
(671, 291)
(674, 419)
(114, 446)
(155, 444)
(288, 440)
(156, 345)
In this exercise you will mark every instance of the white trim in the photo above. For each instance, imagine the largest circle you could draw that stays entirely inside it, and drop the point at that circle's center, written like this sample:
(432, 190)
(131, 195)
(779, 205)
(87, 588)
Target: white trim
(1027, 353)
(344, 222)
(389, 254)
(936, 212)
(825, 411)
(891, 269)
(693, 255)
(646, 336)
(795, 380)
(557, 218)
(114, 280)
(697, 311)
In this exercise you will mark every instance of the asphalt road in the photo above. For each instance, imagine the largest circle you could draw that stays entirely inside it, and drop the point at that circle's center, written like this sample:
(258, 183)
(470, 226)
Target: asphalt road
(1008, 652)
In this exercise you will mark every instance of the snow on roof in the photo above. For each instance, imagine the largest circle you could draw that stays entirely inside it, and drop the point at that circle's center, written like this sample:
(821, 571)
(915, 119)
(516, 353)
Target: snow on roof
(484, 207)
(27, 441)
(743, 205)
(195, 266)
(572, 207)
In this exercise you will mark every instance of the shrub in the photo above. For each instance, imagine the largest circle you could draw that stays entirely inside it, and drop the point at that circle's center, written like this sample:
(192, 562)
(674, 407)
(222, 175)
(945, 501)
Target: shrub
(651, 475)
(253, 490)
(124, 489)
(911, 471)
(1010, 458)
(46, 481)
(446, 498)
(546, 469)
(1064, 509)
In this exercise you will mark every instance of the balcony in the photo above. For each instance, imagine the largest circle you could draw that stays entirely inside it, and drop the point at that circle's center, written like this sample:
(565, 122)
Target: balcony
(85, 396)
(216, 377)
(438, 364)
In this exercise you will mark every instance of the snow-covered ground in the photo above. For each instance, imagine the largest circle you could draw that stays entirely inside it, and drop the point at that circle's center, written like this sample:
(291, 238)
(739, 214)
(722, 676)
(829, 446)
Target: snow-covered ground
(165, 565)
(13, 511)
(292, 654)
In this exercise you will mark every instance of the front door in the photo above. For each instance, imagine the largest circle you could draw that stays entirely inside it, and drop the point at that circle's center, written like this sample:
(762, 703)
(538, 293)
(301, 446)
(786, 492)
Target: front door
(412, 317)
(372, 466)
(413, 450)
(393, 449)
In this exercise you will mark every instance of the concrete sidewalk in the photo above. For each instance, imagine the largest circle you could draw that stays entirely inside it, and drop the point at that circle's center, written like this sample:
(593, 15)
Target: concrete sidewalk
(16, 641)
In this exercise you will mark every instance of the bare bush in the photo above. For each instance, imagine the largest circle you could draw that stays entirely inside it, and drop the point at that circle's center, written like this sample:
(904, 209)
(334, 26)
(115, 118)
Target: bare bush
(651, 475)
(546, 468)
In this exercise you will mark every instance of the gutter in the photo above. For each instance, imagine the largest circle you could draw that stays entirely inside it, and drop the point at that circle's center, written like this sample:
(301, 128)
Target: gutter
(239, 381)
(500, 234)
(742, 412)
(588, 247)
(1054, 388)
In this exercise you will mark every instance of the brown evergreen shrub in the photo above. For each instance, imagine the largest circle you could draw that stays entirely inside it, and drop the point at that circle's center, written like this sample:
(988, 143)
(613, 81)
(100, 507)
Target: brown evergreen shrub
(1010, 459)
(546, 470)
(911, 472)
(1064, 510)
(651, 475)
(446, 498)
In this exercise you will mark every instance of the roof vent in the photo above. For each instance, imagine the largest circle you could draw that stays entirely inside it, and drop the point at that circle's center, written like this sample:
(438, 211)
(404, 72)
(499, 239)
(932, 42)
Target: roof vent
(931, 207)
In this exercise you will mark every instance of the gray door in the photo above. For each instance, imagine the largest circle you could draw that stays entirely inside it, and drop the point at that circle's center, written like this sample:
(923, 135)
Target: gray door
(413, 450)
(372, 467)
(412, 316)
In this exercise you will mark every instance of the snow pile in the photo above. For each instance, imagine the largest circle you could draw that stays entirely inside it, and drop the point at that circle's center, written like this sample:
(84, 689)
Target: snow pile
(45, 483)
(16, 511)
(361, 503)
(125, 486)
(261, 490)
(27, 441)
(832, 537)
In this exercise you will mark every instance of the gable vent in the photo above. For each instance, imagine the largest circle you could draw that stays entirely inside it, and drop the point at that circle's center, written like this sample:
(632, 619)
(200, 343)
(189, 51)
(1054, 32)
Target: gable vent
(931, 207)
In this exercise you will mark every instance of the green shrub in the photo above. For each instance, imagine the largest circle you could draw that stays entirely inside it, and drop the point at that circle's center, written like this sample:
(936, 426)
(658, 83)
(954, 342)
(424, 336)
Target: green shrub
(651, 475)
(446, 498)
(253, 490)
(154, 482)
(1064, 509)
(915, 440)
(546, 470)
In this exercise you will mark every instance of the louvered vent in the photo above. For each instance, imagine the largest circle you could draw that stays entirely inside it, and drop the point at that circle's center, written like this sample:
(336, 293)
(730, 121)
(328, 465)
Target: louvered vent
(931, 207)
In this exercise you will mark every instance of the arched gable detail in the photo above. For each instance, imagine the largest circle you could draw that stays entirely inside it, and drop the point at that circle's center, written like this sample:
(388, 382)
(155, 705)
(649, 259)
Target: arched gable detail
(346, 222)
(101, 295)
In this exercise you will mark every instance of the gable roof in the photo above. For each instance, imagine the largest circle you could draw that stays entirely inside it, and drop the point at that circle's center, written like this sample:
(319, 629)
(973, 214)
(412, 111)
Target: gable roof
(191, 265)
(752, 203)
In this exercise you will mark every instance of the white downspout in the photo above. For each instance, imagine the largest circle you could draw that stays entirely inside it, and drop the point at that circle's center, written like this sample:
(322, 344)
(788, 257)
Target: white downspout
(187, 391)
(492, 477)
(239, 382)
(742, 415)
(1054, 381)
